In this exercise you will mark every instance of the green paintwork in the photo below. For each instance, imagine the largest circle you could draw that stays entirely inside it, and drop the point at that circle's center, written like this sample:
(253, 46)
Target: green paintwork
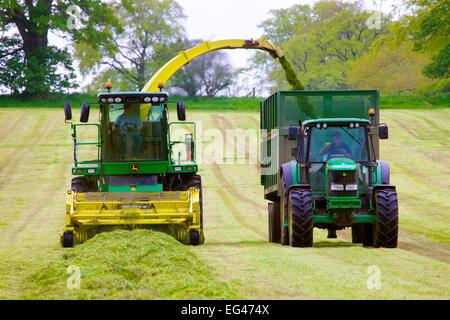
(140, 188)
(97, 168)
(359, 218)
(343, 202)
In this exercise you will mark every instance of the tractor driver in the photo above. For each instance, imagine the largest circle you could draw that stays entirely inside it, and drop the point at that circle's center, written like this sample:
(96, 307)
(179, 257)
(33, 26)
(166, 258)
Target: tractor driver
(129, 139)
(336, 147)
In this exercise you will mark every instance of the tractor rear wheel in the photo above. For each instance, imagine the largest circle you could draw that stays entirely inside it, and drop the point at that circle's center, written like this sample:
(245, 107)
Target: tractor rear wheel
(386, 227)
(300, 207)
(274, 222)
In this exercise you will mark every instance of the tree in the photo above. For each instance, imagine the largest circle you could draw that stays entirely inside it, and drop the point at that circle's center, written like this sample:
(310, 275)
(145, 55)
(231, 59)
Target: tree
(42, 62)
(150, 29)
(429, 27)
(207, 75)
(323, 43)
(390, 68)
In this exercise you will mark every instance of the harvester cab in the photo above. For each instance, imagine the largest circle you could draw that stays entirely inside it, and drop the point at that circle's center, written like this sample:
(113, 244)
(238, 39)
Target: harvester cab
(330, 175)
(133, 168)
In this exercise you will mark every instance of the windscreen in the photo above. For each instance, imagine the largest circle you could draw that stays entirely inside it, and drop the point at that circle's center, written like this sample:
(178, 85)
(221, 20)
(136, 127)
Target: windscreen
(126, 137)
(338, 142)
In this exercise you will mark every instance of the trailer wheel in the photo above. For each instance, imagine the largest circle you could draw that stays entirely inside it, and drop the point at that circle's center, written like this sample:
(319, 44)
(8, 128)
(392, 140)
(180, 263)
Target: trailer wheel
(357, 233)
(386, 227)
(284, 231)
(67, 239)
(367, 235)
(301, 226)
(274, 222)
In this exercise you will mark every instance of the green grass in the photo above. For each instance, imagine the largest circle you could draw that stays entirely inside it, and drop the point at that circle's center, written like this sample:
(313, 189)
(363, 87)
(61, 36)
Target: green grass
(138, 264)
(236, 259)
(220, 103)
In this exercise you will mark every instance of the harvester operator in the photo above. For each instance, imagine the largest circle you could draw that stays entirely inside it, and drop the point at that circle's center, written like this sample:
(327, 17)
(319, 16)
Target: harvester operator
(129, 126)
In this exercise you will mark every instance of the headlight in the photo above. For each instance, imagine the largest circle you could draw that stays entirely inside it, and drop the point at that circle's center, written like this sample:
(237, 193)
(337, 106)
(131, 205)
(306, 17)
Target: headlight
(103, 100)
(162, 99)
(351, 125)
(351, 187)
(155, 99)
(357, 125)
(147, 99)
(110, 100)
(118, 100)
(336, 187)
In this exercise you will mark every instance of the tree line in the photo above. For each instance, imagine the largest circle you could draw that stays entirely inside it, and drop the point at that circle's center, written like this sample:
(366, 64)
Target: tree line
(332, 44)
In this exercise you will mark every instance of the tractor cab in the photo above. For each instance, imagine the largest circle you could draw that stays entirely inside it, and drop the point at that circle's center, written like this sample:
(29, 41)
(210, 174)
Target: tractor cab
(338, 153)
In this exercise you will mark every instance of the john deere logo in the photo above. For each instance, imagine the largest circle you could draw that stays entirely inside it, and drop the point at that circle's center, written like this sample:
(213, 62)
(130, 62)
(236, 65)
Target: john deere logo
(134, 168)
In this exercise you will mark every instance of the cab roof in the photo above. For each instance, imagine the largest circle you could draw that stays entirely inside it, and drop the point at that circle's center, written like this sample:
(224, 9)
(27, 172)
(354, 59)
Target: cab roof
(335, 120)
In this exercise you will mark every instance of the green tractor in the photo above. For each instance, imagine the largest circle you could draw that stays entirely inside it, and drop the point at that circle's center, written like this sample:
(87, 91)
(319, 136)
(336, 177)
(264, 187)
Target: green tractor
(133, 169)
(321, 167)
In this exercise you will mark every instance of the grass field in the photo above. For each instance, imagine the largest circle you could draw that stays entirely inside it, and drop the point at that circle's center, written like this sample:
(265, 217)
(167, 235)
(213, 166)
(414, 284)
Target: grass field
(236, 260)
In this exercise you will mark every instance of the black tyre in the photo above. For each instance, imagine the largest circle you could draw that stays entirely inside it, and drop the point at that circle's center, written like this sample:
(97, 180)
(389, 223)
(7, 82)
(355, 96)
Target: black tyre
(67, 239)
(367, 235)
(301, 226)
(81, 184)
(357, 233)
(274, 222)
(196, 237)
(284, 231)
(386, 227)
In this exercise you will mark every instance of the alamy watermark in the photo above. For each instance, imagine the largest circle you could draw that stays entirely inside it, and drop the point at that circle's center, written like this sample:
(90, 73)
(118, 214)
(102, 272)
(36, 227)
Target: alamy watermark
(74, 279)
(373, 277)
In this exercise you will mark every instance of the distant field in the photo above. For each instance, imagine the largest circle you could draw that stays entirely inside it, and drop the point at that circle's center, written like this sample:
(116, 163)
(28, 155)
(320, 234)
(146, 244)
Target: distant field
(223, 103)
(236, 261)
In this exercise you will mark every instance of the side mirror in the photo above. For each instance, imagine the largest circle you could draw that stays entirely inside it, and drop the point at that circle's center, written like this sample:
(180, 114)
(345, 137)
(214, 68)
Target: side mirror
(84, 115)
(383, 132)
(293, 133)
(181, 111)
(67, 111)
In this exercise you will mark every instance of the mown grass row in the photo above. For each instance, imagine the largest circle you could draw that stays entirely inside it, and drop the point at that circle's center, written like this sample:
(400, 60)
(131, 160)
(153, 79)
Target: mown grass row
(138, 264)
(220, 103)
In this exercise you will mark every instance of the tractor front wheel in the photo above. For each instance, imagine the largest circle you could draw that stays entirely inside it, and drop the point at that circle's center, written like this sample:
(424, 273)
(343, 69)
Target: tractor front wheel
(300, 218)
(386, 227)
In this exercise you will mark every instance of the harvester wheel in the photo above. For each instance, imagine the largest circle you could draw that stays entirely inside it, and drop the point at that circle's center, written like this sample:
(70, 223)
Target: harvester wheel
(274, 222)
(284, 231)
(357, 233)
(195, 181)
(301, 226)
(81, 184)
(196, 237)
(386, 227)
(67, 239)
